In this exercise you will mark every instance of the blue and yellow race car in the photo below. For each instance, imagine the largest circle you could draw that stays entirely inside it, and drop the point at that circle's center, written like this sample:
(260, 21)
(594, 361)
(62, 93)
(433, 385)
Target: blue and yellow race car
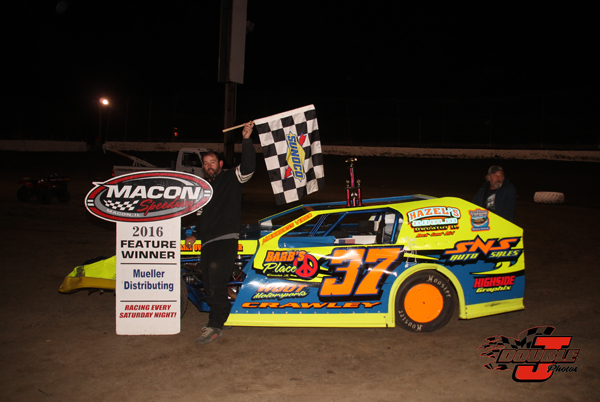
(403, 261)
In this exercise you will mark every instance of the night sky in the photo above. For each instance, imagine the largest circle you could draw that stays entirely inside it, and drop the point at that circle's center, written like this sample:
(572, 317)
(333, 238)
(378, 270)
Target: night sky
(405, 50)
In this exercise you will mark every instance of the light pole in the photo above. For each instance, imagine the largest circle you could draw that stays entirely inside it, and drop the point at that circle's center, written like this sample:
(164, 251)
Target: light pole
(102, 102)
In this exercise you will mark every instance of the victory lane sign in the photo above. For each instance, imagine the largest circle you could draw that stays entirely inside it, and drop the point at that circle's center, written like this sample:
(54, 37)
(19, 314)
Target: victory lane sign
(147, 207)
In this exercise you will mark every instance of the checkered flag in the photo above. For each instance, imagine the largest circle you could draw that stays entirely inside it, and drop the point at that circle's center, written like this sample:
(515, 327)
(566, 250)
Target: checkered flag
(121, 205)
(292, 150)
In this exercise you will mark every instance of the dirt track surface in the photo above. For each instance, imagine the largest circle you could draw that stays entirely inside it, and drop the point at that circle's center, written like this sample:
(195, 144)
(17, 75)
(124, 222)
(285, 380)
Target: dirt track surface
(59, 347)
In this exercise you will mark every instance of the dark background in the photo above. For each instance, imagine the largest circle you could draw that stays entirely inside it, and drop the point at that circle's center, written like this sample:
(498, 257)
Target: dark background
(395, 73)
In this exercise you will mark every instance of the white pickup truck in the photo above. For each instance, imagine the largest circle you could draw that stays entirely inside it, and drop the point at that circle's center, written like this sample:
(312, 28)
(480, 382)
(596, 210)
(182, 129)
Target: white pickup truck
(188, 160)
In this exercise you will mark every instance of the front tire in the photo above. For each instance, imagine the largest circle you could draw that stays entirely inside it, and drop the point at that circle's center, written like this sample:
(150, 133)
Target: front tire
(424, 302)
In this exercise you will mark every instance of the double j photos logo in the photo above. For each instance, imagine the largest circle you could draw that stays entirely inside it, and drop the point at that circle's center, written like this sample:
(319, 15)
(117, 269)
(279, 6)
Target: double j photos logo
(534, 357)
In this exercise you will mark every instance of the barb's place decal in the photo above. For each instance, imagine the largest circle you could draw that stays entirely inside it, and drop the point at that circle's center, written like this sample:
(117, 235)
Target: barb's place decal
(492, 250)
(534, 357)
(291, 263)
(480, 220)
(491, 284)
(434, 219)
(149, 196)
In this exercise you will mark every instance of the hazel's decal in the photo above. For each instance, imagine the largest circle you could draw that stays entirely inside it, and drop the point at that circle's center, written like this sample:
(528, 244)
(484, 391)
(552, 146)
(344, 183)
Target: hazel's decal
(434, 219)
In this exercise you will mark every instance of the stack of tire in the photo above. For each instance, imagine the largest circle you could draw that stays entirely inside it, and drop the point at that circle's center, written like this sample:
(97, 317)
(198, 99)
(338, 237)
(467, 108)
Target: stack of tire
(548, 197)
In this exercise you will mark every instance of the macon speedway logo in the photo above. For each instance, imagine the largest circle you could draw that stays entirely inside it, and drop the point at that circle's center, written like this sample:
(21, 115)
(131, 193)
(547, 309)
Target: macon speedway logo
(533, 357)
(148, 196)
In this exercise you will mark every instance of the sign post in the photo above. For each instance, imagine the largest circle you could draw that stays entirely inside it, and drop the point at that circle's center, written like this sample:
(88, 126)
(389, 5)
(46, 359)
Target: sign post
(147, 208)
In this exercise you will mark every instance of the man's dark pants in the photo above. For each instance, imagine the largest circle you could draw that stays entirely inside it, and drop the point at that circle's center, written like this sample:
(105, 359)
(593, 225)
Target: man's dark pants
(218, 260)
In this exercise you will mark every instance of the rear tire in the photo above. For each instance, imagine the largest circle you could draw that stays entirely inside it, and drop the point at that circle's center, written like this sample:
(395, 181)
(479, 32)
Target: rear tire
(424, 302)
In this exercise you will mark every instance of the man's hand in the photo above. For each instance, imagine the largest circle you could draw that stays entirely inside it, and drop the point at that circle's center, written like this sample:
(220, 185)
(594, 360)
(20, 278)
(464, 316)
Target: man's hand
(189, 241)
(248, 129)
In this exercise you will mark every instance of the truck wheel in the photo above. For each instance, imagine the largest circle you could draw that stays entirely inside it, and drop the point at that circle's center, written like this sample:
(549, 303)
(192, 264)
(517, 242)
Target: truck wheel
(45, 195)
(184, 298)
(23, 194)
(424, 302)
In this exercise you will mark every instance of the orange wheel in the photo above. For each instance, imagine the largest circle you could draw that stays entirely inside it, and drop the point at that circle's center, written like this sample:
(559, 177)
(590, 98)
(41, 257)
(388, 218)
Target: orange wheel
(423, 302)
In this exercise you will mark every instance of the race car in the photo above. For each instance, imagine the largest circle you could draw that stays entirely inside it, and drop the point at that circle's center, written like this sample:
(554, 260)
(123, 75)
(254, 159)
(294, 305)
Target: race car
(402, 261)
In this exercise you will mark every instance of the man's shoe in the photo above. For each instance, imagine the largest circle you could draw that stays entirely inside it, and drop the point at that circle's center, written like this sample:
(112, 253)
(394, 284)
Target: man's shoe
(208, 335)
(224, 326)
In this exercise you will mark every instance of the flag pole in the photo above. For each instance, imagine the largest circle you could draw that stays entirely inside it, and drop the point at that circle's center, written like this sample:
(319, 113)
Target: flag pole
(233, 128)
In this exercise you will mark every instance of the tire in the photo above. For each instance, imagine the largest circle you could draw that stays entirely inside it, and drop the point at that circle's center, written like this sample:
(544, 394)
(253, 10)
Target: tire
(45, 195)
(184, 299)
(547, 197)
(24, 194)
(424, 302)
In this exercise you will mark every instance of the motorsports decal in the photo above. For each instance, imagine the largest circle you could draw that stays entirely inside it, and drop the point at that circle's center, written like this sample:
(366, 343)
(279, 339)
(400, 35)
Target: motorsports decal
(534, 357)
(434, 219)
(492, 250)
(281, 291)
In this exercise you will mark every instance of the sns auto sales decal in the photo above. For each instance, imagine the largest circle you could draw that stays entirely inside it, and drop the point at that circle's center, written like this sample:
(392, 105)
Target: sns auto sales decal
(148, 196)
(533, 357)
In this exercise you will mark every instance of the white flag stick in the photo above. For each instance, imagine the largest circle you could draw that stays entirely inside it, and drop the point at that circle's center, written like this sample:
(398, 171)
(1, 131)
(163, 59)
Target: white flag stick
(233, 128)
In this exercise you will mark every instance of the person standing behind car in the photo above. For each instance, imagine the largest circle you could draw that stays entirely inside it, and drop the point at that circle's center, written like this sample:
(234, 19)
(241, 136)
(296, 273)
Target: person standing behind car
(218, 228)
(497, 194)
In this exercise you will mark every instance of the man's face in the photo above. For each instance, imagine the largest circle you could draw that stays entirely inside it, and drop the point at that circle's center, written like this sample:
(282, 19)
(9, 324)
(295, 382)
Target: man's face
(212, 166)
(496, 179)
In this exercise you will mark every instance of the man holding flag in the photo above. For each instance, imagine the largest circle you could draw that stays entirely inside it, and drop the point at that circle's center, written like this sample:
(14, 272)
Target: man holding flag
(218, 229)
